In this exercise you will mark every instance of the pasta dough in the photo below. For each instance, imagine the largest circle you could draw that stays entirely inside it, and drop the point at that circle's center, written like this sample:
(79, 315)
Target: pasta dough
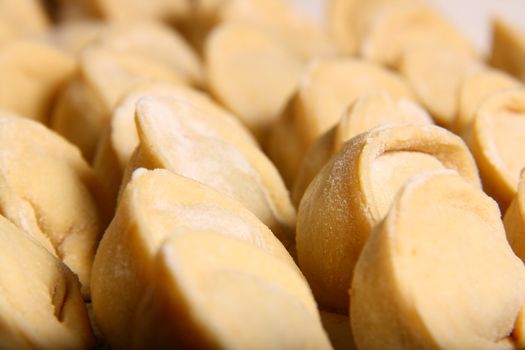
(156, 208)
(32, 74)
(173, 133)
(49, 191)
(366, 113)
(40, 304)
(252, 73)
(426, 269)
(354, 191)
(494, 136)
(326, 89)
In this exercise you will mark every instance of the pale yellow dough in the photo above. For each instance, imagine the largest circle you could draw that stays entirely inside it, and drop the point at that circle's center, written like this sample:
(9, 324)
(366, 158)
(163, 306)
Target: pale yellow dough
(394, 29)
(251, 72)
(120, 138)
(32, 74)
(175, 132)
(75, 36)
(214, 291)
(40, 304)
(347, 19)
(300, 34)
(326, 89)
(157, 43)
(495, 138)
(508, 48)
(20, 18)
(354, 191)
(84, 105)
(122, 57)
(436, 75)
(514, 221)
(437, 273)
(168, 252)
(366, 113)
(474, 89)
(49, 191)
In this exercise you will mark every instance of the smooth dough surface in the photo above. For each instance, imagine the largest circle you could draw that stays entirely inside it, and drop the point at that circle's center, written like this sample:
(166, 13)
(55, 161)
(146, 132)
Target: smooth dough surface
(84, 105)
(326, 89)
(174, 132)
(32, 74)
(514, 221)
(155, 207)
(436, 75)
(508, 48)
(354, 191)
(239, 54)
(431, 276)
(475, 88)
(495, 136)
(395, 29)
(366, 113)
(229, 291)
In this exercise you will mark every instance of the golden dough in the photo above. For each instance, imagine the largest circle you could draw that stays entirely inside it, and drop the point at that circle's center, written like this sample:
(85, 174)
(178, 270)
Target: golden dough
(84, 105)
(326, 89)
(170, 11)
(438, 276)
(354, 191)
(158, 43)
(302, 35)
(119, 140)
(279, 18)
(124, 56)
(32, 73)
(71, 11)
(215, 291)
(49, 191)
(251, 73)
(20, 18)
(518, 333)
(75, 36)
(40, 304)
(397, 28)
(174, 132)
(338, 328)
(514, 221)
(495, 137)
(366, 113)
(436, 74)
(347, 19)
(475, 88)
(155, 207)
(508, 48)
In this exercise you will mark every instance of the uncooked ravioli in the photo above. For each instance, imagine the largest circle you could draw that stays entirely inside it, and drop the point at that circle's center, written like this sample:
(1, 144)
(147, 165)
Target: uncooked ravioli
(353, 192)
(427, 267)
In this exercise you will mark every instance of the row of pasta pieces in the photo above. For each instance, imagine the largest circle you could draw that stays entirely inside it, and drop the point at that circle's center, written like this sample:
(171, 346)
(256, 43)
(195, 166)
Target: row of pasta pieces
(250, 178)
(287, 100)
(443, 218)
(183, 262)
(71, 75)
(58, 204)
(186, 259)
(249, 48)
